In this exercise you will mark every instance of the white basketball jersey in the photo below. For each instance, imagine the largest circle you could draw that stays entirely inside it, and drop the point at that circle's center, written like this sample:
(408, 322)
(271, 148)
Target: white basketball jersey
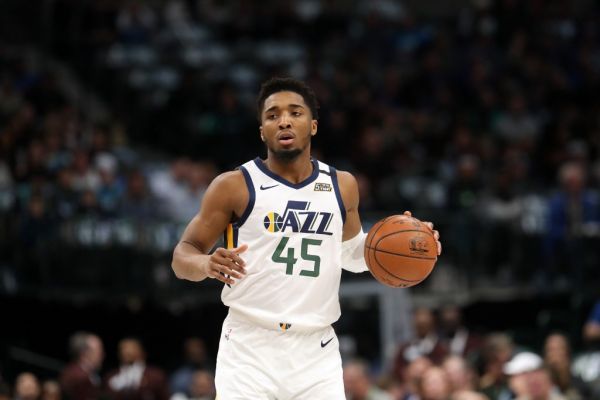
(293, 261)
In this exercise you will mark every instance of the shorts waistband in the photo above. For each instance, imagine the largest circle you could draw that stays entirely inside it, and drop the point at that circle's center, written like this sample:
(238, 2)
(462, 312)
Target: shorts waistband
(282, 326)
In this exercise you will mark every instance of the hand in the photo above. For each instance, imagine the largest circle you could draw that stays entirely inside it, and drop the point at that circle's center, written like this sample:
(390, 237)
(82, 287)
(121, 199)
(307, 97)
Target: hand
(226, 263)
(436, 234)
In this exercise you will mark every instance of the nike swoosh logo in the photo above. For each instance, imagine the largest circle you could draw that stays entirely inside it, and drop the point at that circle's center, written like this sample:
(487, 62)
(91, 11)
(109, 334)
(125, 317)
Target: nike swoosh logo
(323, 344)
(268, 187)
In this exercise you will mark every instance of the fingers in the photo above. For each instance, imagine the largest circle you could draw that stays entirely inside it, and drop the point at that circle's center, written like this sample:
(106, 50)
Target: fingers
(229, 258)
(240, 249)
(436, 234)
(225, 264)
(215, 274)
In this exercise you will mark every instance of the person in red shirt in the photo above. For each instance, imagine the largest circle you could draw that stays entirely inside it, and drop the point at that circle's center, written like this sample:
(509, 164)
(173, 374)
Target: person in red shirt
(80, 380)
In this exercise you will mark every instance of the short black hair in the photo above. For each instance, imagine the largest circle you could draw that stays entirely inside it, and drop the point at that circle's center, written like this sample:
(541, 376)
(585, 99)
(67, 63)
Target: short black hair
(275, 85)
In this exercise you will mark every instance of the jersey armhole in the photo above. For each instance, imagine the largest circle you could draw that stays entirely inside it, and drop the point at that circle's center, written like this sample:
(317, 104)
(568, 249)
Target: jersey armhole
(338, 195)
(251, 198)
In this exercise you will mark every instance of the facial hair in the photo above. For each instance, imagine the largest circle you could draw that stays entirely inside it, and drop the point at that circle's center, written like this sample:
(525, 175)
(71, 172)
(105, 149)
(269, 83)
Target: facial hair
(287, 155)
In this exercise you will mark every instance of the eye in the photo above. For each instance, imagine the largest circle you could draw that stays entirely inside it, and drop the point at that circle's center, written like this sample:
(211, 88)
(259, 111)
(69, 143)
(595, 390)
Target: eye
(296, 113)
(271, 116)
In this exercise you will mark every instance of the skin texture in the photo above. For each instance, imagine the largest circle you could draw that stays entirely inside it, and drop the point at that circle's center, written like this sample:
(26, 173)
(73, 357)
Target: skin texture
(286, 129)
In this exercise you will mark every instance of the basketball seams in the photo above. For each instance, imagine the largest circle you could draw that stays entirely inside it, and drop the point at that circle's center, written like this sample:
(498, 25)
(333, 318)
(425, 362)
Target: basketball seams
(400, 255)
(381, 223)
(372, 252)
(379, 269)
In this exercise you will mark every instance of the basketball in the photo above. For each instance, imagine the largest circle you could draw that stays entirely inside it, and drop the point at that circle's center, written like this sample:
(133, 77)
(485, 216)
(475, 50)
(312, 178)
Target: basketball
(400, 251)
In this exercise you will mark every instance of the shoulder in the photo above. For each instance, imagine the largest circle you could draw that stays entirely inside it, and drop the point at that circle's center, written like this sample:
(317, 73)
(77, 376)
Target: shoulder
(228, 185)
(346, 179)
(227, 192)
(228, 180)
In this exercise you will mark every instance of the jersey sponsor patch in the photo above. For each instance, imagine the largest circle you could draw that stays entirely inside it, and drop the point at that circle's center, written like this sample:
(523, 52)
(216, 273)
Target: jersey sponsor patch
(322, 187)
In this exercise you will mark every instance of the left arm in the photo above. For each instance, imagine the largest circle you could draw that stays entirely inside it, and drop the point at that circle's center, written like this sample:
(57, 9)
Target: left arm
(353, 237)
(349, 192)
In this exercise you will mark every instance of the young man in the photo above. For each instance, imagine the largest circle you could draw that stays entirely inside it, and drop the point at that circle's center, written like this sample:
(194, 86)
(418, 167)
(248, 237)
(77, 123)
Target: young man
(291, 223)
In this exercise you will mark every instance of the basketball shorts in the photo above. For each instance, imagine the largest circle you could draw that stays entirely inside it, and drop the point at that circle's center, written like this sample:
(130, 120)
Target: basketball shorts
(258, 363)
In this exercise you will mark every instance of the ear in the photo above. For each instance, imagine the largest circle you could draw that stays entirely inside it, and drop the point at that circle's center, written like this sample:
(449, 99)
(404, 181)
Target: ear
(262, 137)
(313, 127)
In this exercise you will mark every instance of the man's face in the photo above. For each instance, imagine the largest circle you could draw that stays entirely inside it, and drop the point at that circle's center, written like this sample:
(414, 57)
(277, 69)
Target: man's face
(95, 352)
(287, 125)
(130, 351)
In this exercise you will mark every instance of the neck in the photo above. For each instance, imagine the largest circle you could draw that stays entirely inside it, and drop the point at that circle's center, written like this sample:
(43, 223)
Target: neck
(295, 170)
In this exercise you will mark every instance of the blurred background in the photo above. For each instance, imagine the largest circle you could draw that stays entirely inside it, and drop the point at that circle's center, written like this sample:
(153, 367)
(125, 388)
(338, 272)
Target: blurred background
(482, 116)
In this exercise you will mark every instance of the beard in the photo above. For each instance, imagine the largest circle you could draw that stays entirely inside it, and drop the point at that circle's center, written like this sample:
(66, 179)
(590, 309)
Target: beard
(286, 155)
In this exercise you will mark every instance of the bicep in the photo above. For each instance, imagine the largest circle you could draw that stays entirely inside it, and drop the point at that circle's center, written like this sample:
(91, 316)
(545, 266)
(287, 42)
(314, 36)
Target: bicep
(350, 198)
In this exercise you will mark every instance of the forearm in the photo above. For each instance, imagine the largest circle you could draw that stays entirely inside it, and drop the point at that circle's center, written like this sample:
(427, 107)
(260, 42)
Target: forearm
(353, 253)
(189, 262)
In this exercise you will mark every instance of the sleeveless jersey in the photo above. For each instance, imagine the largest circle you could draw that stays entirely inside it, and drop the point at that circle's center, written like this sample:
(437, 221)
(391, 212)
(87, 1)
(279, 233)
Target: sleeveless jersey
(293, 261)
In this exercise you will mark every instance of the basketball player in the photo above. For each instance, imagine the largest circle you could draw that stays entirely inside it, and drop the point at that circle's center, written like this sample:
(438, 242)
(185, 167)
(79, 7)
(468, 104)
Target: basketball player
(291, 223)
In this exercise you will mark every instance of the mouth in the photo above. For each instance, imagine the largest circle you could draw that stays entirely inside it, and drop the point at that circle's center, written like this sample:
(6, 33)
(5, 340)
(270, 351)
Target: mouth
(286, 138)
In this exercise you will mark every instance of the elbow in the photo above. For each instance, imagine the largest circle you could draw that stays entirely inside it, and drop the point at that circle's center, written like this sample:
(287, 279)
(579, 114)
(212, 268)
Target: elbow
(175, 265)
(175, 270)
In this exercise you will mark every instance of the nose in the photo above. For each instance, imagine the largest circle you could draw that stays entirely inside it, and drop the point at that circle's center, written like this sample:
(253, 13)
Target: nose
(285, 121)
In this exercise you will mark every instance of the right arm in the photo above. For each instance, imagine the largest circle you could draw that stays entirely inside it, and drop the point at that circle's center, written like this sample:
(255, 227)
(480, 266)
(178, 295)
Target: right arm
(225, 197)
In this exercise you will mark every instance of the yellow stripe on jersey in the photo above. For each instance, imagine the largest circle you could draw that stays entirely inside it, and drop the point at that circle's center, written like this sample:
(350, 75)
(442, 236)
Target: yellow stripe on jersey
(271, 222)
(229, 244)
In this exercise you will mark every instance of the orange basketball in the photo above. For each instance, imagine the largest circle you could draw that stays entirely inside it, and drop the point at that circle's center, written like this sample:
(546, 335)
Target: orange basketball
(400, 251)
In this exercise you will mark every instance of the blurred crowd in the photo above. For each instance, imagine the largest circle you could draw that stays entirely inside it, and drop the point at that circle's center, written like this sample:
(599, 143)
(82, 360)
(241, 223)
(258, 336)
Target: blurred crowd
(476, 119)
(444, 360)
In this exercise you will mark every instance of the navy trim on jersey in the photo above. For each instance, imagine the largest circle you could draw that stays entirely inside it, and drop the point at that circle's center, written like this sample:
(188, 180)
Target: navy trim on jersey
(236, 231)
(251, 200)
(315, 173)
(338, 195)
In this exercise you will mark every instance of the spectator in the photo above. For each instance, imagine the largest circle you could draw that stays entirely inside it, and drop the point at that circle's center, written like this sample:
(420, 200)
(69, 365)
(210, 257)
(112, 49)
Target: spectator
(586, 365)
(27, 387)
(110, 190)
(202, 387)
(461, 377)
(65, 199)
(557, 357)
(573, 213)
(80, 379)
(434, 385)
(535, 382)
(358, 385)
(170, 187)
(497, 350)
(51, 390)
(457, 338)
(425, 343)
(194, 353)
(134, 380)
(138, 203)
(413, 374)
(468, 395)
(591, 329)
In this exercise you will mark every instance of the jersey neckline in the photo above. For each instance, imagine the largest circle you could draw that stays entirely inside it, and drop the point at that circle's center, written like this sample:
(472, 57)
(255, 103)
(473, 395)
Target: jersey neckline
(313, 176)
